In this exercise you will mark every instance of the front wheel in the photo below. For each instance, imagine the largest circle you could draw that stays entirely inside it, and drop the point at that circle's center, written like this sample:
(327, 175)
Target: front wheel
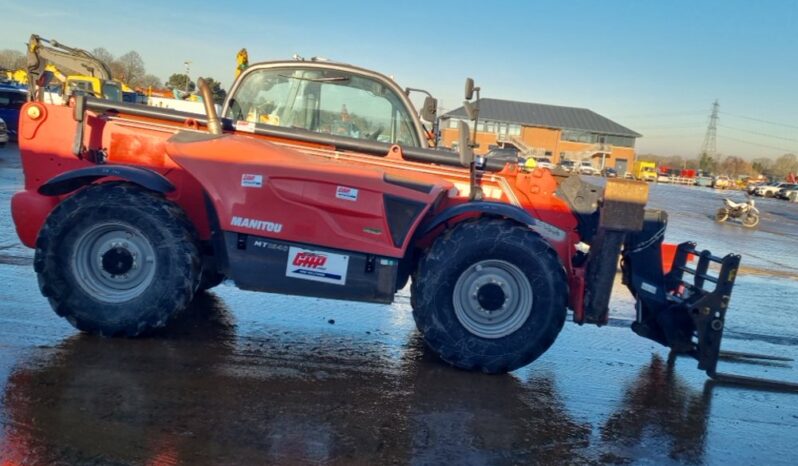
(115, 259)
(751, 219)
(489, 295)
(722, 215)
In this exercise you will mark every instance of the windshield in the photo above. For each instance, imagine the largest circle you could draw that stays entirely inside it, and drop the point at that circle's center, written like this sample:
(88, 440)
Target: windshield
(324, 101)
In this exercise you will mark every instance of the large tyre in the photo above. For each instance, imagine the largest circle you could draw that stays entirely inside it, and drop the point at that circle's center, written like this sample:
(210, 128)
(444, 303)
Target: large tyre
(115, 259)
(489, 295)
(722, 214)
(751, 220)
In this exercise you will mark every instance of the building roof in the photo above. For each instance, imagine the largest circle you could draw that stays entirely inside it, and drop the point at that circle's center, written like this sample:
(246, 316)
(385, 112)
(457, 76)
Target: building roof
(550, 116)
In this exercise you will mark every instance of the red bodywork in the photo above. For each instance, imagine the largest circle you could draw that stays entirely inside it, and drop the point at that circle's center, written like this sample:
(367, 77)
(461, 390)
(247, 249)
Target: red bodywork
(297, 197)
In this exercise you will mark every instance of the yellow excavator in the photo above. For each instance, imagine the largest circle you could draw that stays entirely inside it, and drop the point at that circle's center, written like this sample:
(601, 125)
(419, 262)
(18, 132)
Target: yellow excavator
(85, 74)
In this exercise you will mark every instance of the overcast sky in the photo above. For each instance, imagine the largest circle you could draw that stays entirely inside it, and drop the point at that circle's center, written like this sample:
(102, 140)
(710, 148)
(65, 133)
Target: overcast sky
(655, 67)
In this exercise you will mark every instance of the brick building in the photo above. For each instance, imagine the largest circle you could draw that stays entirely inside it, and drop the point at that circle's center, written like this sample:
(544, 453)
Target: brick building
(538, 130)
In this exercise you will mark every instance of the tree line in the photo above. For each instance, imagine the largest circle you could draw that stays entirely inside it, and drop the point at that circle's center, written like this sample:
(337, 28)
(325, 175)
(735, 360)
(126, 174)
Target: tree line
(128, 68)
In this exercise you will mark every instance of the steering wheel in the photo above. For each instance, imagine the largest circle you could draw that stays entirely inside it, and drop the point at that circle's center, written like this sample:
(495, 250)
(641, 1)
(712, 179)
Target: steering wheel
(376, 133)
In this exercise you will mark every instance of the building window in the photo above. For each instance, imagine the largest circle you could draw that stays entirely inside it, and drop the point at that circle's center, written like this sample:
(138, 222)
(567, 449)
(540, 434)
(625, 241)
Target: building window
(490, 126)
(593, 138)
(621, 141)
(514, 130)
(578, 136)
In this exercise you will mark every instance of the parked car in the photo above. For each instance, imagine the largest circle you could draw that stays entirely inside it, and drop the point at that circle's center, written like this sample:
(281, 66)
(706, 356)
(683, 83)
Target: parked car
(769, 190)
(722, 182)
(587, 168)
(568, 165)
(11, 100)
(505, 154)
(609, 172)
(751, 187)
(783, 193)
(544, 162)
(3, 133)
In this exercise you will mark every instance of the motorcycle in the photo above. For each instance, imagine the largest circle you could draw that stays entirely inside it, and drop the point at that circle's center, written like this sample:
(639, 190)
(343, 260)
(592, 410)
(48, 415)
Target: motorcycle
(746, 211)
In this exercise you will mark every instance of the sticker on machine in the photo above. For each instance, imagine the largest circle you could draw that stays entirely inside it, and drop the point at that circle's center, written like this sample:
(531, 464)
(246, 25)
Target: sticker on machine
(306, 264)
(251, 181)
(347, 194)
(245, 126)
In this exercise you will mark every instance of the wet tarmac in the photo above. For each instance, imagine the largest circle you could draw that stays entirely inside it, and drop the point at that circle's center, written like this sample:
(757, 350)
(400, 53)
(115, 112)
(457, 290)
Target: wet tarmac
(249, 378)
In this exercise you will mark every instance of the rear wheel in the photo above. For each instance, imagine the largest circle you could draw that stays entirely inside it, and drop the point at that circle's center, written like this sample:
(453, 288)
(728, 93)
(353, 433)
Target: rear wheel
(722, 214)
(490, 296)
(116, 259)
(751, 219)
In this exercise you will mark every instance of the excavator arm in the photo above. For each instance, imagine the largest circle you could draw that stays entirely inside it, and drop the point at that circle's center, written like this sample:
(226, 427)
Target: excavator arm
(69, 60)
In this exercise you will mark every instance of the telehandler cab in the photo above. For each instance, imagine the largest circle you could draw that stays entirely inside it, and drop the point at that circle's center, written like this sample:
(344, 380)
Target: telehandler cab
(320, 179)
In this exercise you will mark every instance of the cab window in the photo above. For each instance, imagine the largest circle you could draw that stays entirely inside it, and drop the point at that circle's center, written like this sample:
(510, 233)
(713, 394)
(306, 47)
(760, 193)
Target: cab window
(112, 91)
(324, 101)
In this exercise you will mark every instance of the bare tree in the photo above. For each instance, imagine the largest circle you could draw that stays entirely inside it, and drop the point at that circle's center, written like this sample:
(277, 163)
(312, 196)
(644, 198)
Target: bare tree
(150, 80)
(102, 54)
(736, 166)
(11, 59)
(131, 68)
(762, 165)
(784, 165)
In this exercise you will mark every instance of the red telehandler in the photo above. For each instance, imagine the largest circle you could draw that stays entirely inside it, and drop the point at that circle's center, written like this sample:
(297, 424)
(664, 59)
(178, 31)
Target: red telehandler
(320, 179)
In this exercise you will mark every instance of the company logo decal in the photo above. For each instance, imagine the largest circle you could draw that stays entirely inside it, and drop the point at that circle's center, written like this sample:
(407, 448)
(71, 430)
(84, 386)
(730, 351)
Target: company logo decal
(347, 194)
(256, 224)
(317, 266)
(251, 181)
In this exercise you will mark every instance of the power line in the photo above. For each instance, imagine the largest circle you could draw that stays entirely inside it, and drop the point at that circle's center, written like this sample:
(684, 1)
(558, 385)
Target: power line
(672, 135)
(656, 127)
(759, 134)
(760, 145)
(657, 115)
(761, 120)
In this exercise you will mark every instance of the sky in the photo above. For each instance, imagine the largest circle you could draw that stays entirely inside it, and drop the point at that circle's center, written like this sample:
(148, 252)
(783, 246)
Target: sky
(654, 67)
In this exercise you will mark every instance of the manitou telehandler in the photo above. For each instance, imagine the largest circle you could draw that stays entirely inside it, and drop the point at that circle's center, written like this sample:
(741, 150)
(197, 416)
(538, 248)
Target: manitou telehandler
(321, 180)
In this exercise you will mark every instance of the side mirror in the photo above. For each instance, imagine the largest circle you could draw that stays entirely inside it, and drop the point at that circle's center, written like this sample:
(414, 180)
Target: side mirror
(464, 145)
(430, 109)
(469, 89)
(79, 110)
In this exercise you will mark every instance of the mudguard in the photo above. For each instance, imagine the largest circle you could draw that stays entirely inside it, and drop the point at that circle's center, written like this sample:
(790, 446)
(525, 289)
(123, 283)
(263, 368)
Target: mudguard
(548, 231)
(72, 180)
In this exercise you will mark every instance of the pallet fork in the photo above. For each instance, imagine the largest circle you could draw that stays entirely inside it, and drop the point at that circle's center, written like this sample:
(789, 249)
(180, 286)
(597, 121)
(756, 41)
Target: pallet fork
(685, 307)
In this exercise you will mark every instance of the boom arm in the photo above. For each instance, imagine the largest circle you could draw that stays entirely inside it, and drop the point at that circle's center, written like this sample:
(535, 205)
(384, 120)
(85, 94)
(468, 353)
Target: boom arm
(67, 59)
